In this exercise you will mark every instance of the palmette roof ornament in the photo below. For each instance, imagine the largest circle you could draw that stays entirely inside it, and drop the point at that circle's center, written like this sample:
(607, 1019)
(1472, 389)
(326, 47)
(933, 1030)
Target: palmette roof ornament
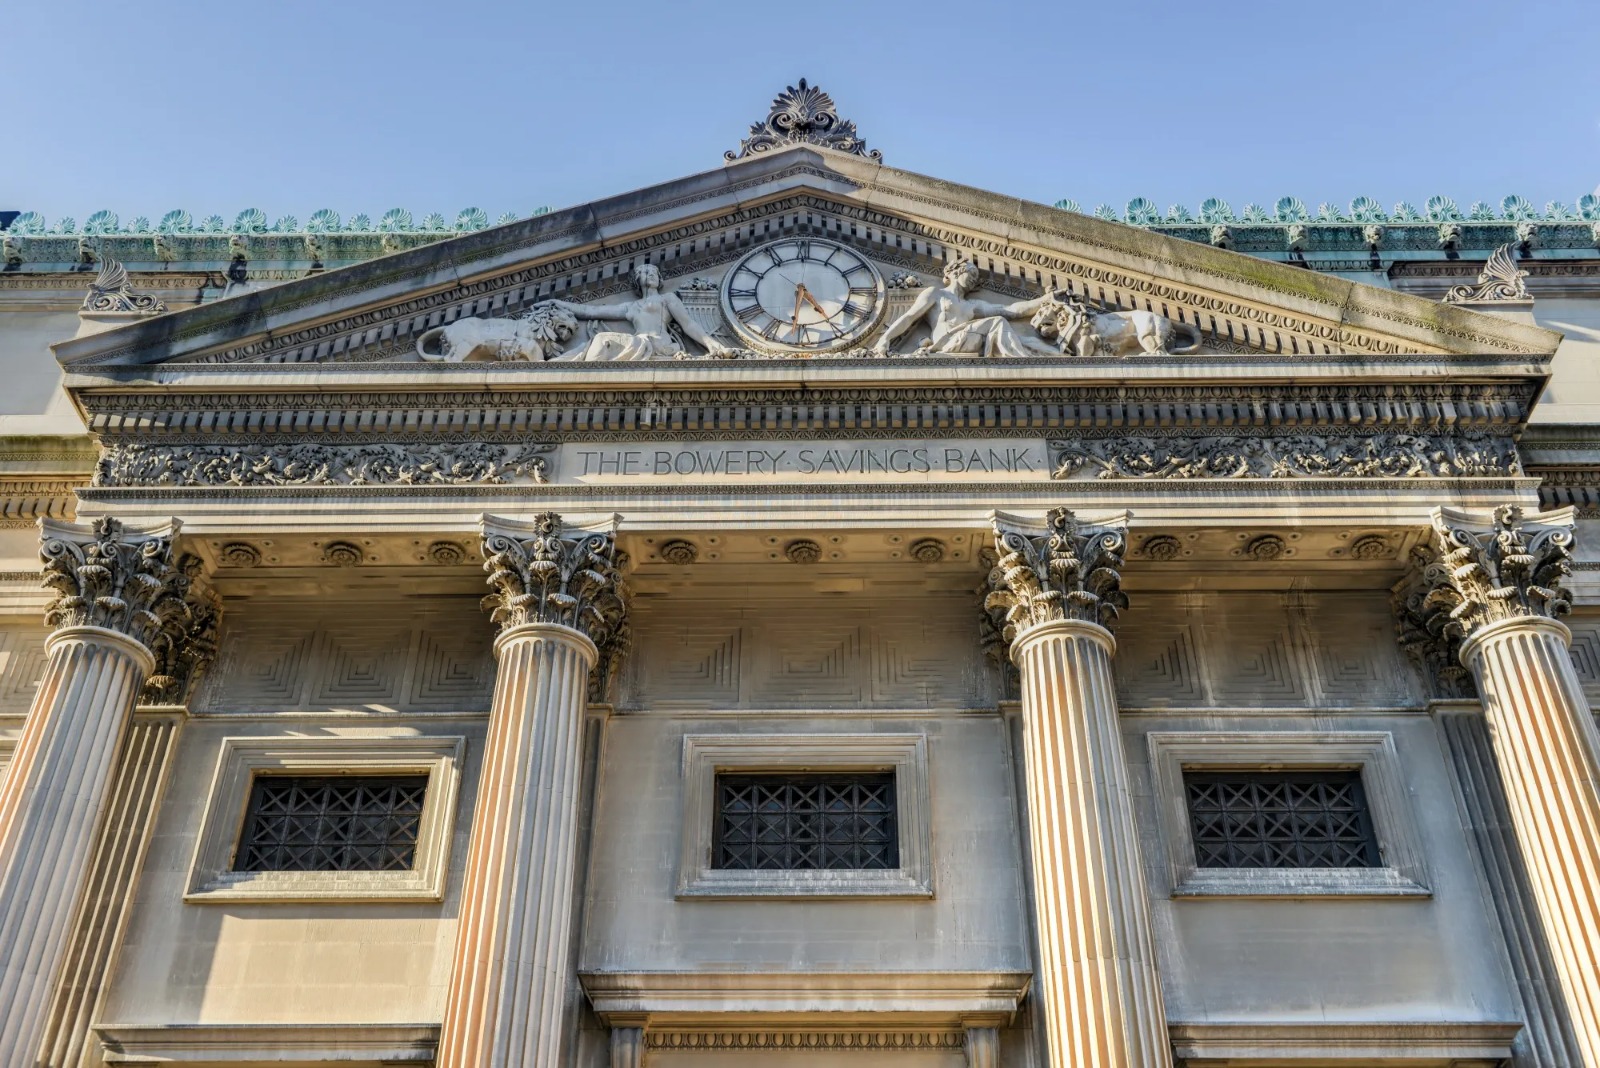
(1071, 571)
(111, 291)
(1500, 279)
(803, 114)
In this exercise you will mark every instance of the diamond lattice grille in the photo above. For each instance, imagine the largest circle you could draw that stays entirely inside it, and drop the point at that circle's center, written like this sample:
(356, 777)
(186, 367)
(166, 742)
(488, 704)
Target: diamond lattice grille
(806, 822)
(334, 823)
(1280, 820)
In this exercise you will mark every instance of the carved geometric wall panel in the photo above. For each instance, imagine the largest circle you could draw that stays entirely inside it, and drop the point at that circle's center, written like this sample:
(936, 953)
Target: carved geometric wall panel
(1586, 652)
(1354, 651)
(1263, 650)
(414, 655)
(807, 650)
(1251, 660)
(1157, 660)
(21, 666)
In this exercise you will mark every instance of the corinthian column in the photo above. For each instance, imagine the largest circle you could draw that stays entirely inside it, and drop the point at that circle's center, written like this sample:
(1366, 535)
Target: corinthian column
(1496, 587)
(1051, 595)
(120, 594)
(558, 600)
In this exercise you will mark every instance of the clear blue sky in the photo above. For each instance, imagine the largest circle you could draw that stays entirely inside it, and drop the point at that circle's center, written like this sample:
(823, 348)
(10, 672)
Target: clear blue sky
(361, 106)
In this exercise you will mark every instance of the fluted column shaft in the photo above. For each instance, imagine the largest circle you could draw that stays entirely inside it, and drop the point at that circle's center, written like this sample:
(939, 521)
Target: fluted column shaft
(1548, 750)
(508, 989)
(50, 806)
(1097, 986)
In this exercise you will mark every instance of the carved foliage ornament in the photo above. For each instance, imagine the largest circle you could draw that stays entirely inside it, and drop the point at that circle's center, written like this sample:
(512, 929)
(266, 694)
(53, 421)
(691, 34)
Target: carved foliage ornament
(1066, 573)
(548, 575)
(803, 114)
(128, 581)
(1286, 456)
(111, 291)
(1500, 279)
(1514, 565)
(1421, 630)
(309, 464)
(186, 644)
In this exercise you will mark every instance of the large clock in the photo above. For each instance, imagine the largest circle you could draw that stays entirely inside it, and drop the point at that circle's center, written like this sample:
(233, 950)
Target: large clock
(803, 294)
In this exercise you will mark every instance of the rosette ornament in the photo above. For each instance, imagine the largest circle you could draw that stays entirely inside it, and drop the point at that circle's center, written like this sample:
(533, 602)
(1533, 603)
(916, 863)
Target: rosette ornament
(1068, 572)
(542, 573)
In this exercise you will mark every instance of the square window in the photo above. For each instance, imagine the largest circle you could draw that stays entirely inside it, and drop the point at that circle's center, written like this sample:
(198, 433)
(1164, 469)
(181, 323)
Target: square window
(805, 815)
(1286, 814)
(806, 823)
(342, 820)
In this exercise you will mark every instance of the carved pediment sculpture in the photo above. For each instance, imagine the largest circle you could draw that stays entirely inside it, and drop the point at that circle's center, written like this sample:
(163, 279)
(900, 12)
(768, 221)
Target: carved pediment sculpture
(545, 331)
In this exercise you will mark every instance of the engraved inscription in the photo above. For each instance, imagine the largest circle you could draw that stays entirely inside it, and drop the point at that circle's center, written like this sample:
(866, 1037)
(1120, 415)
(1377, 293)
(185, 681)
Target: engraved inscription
(912, 460)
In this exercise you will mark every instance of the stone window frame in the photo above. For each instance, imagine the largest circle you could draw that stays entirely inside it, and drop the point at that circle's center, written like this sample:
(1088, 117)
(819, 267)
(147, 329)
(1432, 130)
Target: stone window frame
(704, 755)
(211, 878)
(1372, 753)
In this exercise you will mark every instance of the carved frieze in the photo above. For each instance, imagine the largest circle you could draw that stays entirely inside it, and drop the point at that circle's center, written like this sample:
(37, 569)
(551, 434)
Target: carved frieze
(1068, 572)
(316, 464)
(544, 573)
(1286, 456)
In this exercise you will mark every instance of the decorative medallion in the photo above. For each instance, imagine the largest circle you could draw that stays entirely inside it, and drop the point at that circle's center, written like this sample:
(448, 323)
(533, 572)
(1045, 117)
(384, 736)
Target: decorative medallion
(803, 295)
(1266, 547)
(447, 553)
(342, 554)
(240, 554)
(679, 552)
(927, 550)
(803, 551)
(803, 114)
(1162, 547)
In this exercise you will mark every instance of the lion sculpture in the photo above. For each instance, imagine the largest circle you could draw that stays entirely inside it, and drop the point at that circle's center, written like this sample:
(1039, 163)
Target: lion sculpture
(1077, 331)
(543, 333)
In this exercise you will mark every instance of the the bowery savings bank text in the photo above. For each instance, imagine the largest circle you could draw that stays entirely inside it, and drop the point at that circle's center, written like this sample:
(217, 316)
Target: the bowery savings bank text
(805, 460)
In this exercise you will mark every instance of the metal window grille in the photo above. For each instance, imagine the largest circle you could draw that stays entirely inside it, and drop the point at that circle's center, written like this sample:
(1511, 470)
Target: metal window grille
(1280, 820)
(806, 822)
(333, 823)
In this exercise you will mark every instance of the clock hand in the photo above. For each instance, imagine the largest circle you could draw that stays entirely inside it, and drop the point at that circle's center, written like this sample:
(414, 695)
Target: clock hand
(794, 320)
(804, 292)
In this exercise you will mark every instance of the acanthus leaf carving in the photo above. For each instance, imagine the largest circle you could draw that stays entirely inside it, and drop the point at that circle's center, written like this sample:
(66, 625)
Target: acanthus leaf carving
(1071, 571)
(110, 576)
(1506, 566)
(1425, 634)
(316, 464)
(544, 573)
(1226, 456)
(186, 643)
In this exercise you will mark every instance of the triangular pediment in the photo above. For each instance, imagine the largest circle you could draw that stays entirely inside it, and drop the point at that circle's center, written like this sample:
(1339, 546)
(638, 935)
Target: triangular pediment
(697, 229)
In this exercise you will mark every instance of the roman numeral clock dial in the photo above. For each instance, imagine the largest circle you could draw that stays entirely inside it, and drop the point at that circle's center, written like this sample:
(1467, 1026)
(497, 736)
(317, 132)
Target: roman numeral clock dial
(803, 295)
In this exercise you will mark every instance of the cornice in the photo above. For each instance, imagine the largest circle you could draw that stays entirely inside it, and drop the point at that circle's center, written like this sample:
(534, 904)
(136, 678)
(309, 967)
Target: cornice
(779, 406)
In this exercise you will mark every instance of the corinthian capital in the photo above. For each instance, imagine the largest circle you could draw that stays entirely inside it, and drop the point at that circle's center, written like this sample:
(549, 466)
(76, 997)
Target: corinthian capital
(1491, 568)
(186, 643)
(1421, 626)
(116, 577)
(1069, 571)
(541, 572)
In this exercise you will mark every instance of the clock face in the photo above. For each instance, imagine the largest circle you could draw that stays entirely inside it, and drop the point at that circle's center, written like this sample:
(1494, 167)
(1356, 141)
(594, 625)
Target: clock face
(803, 294)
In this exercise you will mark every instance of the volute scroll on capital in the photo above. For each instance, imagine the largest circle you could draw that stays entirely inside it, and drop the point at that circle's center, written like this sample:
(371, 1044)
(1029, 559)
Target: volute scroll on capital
(542, 571)
(1491, 568)
(1070, 571)
(135, 582)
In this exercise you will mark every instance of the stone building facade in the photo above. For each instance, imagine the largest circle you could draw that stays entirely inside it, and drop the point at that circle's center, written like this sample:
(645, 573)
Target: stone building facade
(924, 628)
